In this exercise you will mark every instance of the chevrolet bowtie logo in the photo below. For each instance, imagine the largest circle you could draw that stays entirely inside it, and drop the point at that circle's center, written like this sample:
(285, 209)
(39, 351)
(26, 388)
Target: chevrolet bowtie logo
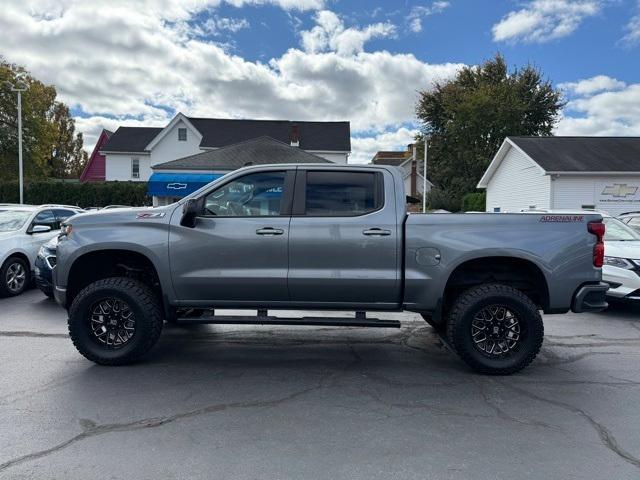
(619, 190)
(177, 186)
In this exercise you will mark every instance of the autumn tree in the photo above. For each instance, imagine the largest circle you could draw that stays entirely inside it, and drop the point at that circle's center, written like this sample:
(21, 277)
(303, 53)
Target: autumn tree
(51, 148)
(469, 116)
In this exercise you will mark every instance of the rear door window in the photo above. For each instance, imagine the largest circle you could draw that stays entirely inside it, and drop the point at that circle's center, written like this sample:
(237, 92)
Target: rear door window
(62, 215)
(336, 194)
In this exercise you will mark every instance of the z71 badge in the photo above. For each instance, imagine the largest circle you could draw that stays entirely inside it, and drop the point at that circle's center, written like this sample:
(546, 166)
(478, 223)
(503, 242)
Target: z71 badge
(145, 215)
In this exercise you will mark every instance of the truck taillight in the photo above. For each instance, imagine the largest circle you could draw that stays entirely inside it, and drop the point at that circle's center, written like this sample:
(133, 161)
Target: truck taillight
(597, 228)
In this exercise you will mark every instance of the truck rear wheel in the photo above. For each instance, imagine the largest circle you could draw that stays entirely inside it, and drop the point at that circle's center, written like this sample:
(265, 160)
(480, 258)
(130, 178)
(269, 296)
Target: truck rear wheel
(115, 321)
(496, 329)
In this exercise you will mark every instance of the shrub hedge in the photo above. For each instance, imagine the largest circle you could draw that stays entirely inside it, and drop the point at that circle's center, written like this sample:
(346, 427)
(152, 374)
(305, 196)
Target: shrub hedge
(92, 194)
(474, 202)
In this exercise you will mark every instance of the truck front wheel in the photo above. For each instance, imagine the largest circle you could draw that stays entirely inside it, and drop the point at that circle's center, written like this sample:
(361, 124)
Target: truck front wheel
(496, 329)
(115, 321)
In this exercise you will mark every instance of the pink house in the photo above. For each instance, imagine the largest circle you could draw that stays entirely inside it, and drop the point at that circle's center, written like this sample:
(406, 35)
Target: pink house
(94, 171)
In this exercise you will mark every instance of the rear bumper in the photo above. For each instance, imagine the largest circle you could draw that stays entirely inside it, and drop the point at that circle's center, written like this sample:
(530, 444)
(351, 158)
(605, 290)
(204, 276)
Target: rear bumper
(590, 298)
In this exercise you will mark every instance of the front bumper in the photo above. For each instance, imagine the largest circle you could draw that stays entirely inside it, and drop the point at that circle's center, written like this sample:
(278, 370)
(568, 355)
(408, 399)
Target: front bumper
(590, 298)
(43, 275)
(623, 283)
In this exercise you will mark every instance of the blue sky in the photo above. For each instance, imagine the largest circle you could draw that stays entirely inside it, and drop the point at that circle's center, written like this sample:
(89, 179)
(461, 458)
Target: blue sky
(117, 62)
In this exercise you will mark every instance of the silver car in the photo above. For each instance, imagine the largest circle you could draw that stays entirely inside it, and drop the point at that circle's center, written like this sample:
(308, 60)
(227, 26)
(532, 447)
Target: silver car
(23, 229)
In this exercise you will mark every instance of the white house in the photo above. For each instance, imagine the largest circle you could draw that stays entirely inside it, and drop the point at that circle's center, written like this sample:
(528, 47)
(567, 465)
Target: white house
(132, 151)
(601, 173)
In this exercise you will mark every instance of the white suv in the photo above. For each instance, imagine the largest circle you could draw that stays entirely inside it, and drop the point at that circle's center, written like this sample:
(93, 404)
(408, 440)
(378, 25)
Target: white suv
(23, 229)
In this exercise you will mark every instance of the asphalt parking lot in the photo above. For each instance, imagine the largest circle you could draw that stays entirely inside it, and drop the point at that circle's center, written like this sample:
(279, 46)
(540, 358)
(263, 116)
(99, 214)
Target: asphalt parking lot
(255, 402)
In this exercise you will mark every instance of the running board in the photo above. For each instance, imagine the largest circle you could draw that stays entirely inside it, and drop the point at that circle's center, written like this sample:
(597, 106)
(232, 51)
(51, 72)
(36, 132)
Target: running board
(313, 321)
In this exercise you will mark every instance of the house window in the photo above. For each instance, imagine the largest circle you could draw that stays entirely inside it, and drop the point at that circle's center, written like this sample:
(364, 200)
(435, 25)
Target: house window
(135, 168)
(496, 209)
(182, 134)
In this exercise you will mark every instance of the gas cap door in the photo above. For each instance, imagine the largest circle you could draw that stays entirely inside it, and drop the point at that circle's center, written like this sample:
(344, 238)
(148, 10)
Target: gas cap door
(428, 256)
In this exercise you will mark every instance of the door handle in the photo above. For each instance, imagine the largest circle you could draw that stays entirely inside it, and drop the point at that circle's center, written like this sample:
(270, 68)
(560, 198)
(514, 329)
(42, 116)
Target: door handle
(269, 231)
(376, 232)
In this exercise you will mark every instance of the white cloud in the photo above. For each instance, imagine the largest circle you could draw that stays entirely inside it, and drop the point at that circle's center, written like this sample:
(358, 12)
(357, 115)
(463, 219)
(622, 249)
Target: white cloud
(124, 63)
(419, 12)
(632, 36)
(593, 85)
(612, 113)
(364, 148)
(217, 25)
(544, 20)
(330, 34)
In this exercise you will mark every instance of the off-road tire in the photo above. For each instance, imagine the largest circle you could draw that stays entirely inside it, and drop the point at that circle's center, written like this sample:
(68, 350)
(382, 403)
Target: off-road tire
(470, 303)
(5, 291)
(142, 302)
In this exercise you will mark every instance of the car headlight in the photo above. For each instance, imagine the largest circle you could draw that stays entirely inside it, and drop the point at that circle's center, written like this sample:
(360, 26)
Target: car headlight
(42, 252)
(65, 229)
(618, 262)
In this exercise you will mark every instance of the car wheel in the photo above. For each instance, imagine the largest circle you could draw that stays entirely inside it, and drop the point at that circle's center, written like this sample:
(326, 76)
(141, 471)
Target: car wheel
(496, 329)
(115, 321)
(14, 276)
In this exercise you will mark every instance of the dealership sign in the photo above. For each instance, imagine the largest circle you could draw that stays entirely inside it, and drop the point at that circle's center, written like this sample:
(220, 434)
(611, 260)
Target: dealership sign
(617, 193)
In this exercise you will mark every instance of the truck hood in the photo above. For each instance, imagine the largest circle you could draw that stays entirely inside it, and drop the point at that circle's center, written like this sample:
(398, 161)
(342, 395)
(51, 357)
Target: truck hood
(627, 249)
(121, 215)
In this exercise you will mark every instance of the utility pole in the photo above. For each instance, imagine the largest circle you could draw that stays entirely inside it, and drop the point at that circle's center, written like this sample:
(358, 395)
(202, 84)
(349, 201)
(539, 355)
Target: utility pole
(424, 175)
(19, 87)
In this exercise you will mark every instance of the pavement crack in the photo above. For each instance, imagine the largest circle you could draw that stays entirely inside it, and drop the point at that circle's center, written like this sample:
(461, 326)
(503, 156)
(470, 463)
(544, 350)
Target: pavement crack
(606, 436)
(500, 413)
(91, 429)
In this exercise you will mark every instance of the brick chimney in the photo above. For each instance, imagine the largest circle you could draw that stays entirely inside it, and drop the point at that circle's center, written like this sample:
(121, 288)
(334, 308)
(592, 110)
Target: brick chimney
(295, 135)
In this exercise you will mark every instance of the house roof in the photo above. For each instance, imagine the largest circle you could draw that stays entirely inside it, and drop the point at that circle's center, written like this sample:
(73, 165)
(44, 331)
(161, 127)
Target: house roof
(572, 154)
(262, 150)
(131, 139)
(582, 154)
(395, 158)
(218, 132)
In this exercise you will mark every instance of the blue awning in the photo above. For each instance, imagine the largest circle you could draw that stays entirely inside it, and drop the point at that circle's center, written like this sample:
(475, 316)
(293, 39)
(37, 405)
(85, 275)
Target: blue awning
(178, 184)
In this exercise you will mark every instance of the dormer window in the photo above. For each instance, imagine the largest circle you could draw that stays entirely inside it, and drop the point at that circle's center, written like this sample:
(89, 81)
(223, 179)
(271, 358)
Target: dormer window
(182, 134)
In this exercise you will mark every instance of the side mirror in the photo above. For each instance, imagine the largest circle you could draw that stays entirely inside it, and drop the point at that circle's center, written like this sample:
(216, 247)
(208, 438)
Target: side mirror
(40, 229)
(190, 212)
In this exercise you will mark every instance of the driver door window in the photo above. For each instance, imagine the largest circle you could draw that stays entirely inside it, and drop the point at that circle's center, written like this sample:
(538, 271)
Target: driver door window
(46, 218)
(254, 195)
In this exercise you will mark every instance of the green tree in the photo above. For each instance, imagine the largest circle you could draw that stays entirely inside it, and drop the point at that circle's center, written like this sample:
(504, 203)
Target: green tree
(51, 148)
(469, 117)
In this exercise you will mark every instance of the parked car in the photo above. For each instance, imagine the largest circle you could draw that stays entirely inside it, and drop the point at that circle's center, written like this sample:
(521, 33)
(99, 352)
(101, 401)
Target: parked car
(23, 229)
(325, 237)
(621, 268)
(632, 219)
(45, 261)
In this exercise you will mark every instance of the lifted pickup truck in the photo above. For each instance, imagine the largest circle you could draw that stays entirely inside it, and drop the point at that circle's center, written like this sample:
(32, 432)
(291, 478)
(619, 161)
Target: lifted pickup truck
(318, 237)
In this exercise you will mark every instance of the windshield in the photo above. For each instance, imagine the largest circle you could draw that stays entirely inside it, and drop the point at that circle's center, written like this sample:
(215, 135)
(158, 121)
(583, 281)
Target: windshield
(617, 231)
(11, 220)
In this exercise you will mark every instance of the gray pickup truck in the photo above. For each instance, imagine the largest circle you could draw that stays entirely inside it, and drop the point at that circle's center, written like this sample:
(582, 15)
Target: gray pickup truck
(318, 237)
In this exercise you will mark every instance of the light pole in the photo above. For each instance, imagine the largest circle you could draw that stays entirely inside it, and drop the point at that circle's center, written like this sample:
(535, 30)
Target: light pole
(19, 86)
(424, 175)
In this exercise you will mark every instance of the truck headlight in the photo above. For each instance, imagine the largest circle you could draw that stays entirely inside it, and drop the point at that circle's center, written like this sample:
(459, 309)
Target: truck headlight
(618, 262)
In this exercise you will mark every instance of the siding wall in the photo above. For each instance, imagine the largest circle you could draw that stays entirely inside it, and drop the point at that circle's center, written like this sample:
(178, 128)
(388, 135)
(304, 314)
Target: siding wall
(170, 148)
(517, 184)
(572, 192)
(118, 167)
